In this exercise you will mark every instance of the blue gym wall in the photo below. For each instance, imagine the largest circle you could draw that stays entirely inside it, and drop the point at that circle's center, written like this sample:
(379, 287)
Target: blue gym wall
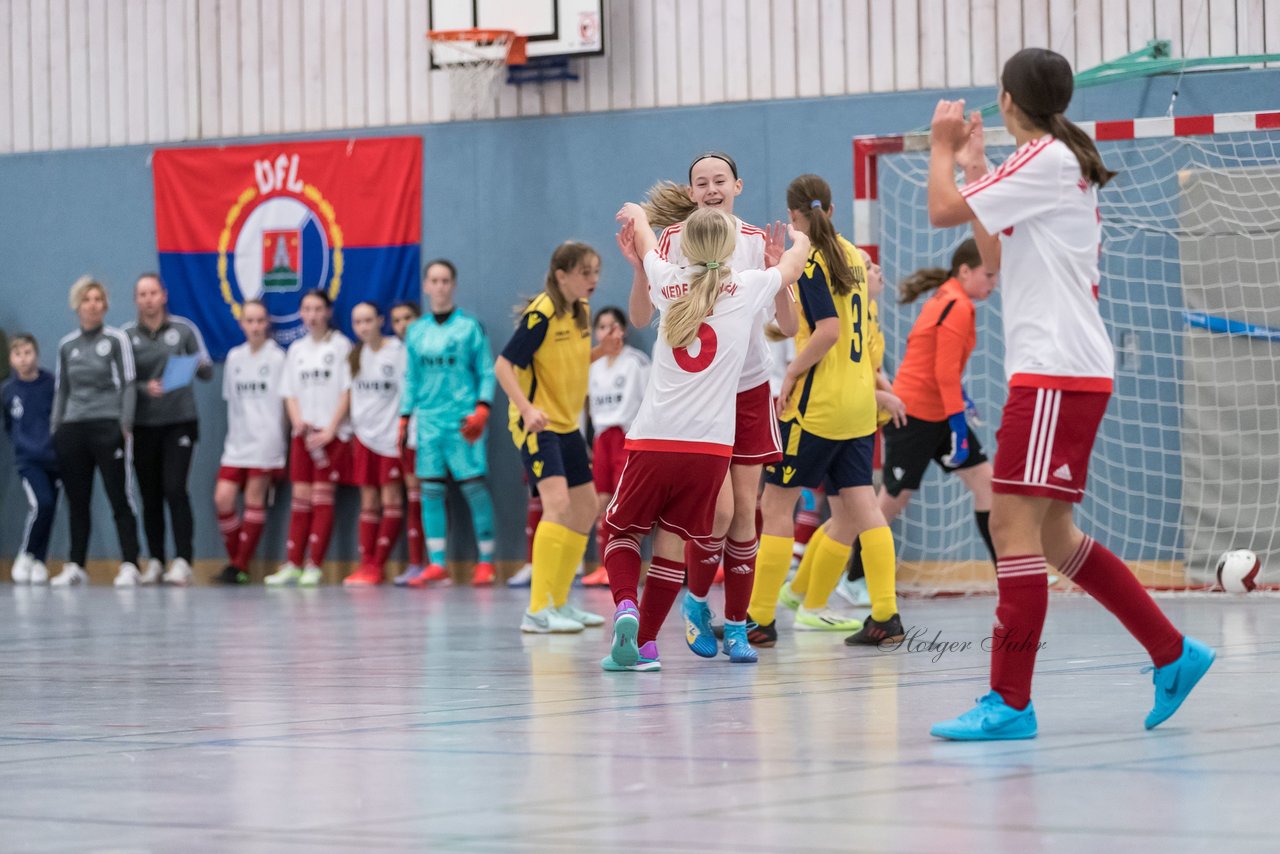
(498, 196)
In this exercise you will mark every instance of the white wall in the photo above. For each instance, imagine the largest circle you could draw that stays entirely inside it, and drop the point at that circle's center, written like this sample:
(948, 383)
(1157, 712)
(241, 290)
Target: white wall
(77, 73)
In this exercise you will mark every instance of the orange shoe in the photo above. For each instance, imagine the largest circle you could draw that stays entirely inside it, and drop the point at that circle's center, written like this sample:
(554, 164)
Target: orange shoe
(719, 579)
(599, 578)
(483, 575)
(433, 573)
(367, 575)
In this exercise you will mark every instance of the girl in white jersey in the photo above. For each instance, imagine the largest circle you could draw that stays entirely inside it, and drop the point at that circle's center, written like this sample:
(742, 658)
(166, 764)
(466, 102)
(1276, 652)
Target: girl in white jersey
(682, 440)
(615, 388)
(317, 398)
(1036, 220)
(254, 451)
(375, 373)
(714, 183)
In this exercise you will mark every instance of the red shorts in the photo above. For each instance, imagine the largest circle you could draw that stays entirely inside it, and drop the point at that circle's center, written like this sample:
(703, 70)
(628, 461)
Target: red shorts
(677, 491)
(756, 442)
(335, 469)
(1045, 441)
(608, 456)
(240, 476)
(369, 468)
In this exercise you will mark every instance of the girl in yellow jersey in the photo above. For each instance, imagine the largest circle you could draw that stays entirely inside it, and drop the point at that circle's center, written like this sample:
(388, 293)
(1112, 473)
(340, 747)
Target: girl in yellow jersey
(544, 369)
(827, 419)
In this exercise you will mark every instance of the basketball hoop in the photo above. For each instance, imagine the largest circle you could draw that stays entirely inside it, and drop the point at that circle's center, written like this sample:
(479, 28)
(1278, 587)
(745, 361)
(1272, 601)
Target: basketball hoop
(474, 59)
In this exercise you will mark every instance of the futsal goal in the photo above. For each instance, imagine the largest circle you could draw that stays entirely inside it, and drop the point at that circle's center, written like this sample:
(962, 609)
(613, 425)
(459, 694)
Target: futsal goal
(1187, 461)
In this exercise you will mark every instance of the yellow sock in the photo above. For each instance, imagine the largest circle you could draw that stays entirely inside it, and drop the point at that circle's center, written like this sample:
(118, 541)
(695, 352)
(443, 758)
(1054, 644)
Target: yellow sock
(828, 566)
(880, 565)
(573, 548)
(800, 583)
(548, 549)
(772, 562)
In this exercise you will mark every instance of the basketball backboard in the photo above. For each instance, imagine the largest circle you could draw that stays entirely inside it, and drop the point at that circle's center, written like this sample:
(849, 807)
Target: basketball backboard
(554, 27)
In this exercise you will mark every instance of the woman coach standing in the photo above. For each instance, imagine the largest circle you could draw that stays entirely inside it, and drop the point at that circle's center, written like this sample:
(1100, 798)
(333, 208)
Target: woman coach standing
(165, 426)
(92, 421)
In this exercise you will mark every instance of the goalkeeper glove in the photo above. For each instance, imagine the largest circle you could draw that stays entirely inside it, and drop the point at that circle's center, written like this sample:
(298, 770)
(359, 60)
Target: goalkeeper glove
(959, 441)
(473, 425)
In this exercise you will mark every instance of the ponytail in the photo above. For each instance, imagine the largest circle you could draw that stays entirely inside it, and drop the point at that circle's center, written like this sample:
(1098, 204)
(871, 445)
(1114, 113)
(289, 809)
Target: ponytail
(708, 241)
(667, 203)
(1086, 152)
(810, 196)
(930, 278)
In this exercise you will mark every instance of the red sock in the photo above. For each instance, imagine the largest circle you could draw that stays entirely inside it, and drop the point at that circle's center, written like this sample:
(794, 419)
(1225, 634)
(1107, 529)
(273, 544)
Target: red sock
(701, 560)
(321, 521)
(533, 515)
(229, 527)
(1023, 599)
(1106, 578)
(413, 527)
(739, 577)
(299, 529)
(622, 560)
(807, 522)
(368, 534)
(255, 518)
(392, 518)
(661, 587)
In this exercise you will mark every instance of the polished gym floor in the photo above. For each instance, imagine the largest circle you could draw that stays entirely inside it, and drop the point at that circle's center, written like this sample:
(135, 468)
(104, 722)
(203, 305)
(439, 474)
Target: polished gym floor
(253, 720)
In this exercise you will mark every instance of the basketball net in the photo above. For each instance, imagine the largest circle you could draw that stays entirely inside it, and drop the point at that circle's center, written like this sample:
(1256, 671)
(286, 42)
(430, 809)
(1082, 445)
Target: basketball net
(474, 60)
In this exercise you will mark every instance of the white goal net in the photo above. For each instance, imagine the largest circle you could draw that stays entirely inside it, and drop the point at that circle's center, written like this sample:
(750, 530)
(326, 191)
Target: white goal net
(1187, 461)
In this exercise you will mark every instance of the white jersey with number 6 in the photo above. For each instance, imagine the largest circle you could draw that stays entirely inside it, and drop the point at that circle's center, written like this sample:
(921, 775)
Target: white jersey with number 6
(1046, 216)
(690, 404)
(256, 423)
(748, 254)
(314, 375)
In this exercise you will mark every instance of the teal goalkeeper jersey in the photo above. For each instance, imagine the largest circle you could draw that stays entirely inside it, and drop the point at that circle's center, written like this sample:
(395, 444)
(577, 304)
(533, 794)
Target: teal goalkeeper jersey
(449, 371)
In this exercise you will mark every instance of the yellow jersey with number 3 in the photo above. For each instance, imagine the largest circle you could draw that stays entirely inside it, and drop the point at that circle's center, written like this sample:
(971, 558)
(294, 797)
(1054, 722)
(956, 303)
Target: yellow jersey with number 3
(835, 399)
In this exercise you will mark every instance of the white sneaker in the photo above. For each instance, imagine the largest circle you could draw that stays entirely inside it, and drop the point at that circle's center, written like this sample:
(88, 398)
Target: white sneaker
(312, 576)
(548, 621)
(71, 574)
(153, 572)
(854, 592)
(21, 572)
(523, 578)
(39, 572)
(573, 612)
(179, 573)
(288, 573)
(128, 576)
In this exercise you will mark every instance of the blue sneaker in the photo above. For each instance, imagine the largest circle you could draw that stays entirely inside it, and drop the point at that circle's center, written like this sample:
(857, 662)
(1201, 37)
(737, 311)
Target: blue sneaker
(736, 645)
(990, 720)
(1175, 680)
(411, 572)
(697, 627)
(647, 661)
(626, 625)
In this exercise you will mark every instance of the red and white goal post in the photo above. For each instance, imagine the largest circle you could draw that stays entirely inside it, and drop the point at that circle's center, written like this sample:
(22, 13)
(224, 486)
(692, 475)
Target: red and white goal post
(1187, 462)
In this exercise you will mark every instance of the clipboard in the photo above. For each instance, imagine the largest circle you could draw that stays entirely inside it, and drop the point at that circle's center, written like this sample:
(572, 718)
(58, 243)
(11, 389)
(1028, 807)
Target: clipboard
(179, 372)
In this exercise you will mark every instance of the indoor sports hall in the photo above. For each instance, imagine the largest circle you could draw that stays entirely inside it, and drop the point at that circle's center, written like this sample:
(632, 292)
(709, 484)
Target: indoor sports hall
(173, 169)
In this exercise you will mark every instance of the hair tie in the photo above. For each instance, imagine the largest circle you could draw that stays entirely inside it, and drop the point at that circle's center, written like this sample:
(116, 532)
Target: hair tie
(712, 265)
(815, 204)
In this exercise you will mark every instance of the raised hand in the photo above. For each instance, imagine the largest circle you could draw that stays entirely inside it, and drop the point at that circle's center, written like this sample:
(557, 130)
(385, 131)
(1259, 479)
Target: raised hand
(626, 237)
(973, 153)
(948, 129)
(774, 243)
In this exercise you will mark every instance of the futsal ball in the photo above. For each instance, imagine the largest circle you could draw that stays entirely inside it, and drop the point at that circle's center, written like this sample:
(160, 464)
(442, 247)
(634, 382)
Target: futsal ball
(1238, 571)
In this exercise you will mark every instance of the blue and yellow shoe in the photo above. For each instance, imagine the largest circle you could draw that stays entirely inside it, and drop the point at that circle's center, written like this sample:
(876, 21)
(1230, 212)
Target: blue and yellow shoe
(697, 627)
(1175, 680)
(646, 662)
(626, 625)
(736, 645)
(990, 720)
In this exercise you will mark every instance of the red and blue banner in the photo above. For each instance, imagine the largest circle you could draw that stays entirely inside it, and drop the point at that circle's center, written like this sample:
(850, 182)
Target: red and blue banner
(274, 221)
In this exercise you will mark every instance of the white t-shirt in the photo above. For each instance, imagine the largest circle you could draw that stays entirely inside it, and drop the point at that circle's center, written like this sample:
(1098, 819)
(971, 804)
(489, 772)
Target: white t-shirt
(315, 376)
(256, 424)
(1050, 229)
(375, 396)
(748, 254)
(689, 404)
(617, 389)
